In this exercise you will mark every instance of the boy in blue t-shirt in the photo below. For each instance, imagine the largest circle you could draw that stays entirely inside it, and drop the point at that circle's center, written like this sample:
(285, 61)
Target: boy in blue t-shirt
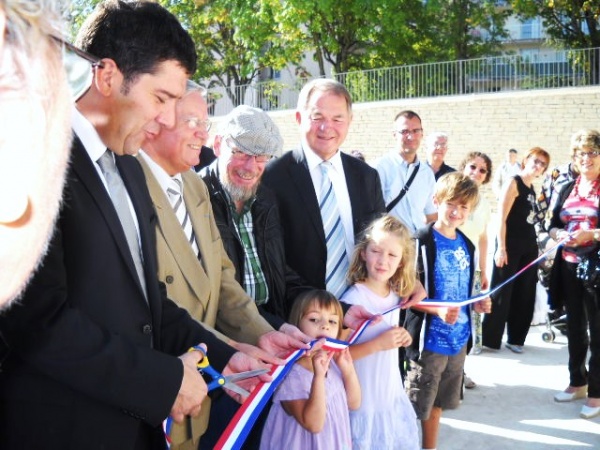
(434, 379)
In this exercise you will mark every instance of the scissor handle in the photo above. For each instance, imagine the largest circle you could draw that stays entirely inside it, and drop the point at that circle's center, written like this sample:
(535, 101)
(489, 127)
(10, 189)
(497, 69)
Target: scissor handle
(204, 367)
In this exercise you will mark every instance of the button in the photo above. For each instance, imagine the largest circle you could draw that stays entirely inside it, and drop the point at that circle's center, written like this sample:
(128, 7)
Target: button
(147, 329)
(169, 279)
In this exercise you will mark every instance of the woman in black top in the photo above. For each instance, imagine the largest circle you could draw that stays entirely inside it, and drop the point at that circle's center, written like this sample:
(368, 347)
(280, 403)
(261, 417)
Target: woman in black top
(516, 246)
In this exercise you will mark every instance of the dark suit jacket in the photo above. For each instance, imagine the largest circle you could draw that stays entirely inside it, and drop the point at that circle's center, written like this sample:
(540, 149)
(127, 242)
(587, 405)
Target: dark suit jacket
(89, 363)
(304, 238)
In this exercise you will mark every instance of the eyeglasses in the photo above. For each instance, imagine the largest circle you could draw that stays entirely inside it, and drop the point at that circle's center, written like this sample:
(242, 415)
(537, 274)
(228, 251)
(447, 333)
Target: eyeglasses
(411, 132)
(194, 123)
(242, 156)
(439, 144)
(79, 66)
(481, 170)
(593, 154)
(539, 162)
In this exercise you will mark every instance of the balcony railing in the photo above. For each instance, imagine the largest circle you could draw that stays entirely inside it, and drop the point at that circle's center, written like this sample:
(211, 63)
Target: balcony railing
(482, 75)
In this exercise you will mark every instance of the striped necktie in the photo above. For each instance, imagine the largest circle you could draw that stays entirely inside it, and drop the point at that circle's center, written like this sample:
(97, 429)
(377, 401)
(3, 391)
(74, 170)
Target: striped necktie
(176, 198)
(337, 258)
(118, 195)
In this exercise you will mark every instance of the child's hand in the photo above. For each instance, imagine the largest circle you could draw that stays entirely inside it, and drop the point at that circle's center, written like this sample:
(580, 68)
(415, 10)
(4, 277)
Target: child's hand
(320, 360)
(483, 306)
(449, 315)
(344, 359)
(393, 338)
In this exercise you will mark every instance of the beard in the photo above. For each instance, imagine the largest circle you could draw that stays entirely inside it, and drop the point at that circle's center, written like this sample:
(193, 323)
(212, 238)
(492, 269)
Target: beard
(237, 193)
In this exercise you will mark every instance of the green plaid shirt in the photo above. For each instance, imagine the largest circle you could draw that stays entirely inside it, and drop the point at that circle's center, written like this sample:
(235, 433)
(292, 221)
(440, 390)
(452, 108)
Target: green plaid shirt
(253, 278)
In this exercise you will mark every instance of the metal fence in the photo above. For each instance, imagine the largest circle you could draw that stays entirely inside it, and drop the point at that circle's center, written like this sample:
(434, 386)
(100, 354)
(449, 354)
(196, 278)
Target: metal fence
(482, 75)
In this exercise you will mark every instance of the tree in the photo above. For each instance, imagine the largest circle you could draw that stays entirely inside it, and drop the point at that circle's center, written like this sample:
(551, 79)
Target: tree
(570, 24)
(237, 39)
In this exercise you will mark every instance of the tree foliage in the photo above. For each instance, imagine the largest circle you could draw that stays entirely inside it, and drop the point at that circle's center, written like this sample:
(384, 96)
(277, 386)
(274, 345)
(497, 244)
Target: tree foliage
(570, 23)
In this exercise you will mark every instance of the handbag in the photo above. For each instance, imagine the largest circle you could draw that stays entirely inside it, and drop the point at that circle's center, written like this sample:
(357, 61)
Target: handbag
(588, 270)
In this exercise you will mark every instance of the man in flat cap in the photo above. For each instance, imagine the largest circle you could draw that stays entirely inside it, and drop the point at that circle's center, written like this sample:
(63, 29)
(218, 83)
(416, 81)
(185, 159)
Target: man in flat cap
(192, 263)
(246, 212)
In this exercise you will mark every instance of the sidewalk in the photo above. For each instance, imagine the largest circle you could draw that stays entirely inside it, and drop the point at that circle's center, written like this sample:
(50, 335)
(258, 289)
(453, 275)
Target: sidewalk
(512, 406)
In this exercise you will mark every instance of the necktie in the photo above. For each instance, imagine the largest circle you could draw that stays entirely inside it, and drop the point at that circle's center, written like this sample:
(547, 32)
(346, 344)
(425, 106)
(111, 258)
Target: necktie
(176, 198)
(337, 258)
(118, 195)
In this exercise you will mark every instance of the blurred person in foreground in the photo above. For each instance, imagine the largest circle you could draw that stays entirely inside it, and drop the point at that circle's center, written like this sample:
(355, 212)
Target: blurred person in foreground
(34, 141)
(95, 356)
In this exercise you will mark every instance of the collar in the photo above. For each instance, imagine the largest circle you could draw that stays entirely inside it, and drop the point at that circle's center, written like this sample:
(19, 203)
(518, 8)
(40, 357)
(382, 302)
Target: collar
(87, 135)
(313, 160)
(162, 177)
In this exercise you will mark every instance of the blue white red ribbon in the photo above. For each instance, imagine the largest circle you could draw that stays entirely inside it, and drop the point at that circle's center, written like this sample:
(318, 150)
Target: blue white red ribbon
(238, 429)
(483, 295)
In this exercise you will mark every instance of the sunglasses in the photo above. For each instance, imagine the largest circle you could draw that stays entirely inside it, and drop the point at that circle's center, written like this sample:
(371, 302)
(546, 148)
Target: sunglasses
(79, 66)
(481, 170)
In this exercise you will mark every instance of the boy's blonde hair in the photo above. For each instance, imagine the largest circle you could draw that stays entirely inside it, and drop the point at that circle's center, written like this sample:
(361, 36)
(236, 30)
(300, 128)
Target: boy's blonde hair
(322, 299)
(403, 281)
(456, 187)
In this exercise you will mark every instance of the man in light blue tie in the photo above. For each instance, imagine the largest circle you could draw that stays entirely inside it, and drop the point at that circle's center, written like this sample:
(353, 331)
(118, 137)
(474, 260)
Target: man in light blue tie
(322, 218)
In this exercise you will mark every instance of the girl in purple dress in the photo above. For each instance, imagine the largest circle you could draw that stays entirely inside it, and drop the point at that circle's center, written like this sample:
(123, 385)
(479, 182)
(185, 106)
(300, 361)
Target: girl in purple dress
(311, 406)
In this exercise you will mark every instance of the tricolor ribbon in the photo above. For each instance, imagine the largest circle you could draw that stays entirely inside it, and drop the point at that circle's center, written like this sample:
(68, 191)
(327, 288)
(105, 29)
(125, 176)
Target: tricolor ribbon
(239, 427)
(481, 296)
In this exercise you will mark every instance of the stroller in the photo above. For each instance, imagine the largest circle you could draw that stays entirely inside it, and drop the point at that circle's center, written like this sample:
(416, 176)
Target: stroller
(555, 319)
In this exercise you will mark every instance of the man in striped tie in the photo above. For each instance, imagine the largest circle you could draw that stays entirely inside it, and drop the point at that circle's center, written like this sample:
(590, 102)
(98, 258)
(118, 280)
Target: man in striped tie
(192, 262)
(325, 197)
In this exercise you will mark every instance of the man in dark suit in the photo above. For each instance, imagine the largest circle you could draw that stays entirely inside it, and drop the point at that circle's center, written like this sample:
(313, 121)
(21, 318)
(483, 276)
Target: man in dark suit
(324, 115)
(89, 354)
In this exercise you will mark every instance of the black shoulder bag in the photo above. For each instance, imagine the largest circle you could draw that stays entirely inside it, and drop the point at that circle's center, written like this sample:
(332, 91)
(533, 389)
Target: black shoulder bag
(404, 190)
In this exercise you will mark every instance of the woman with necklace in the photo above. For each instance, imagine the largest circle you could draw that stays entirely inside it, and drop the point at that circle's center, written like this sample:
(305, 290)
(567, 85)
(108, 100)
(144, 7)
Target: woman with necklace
(575, 218)
(516, 246)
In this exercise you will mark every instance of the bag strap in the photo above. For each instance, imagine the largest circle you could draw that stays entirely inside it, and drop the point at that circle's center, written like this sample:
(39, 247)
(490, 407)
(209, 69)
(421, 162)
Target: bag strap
(404, 190)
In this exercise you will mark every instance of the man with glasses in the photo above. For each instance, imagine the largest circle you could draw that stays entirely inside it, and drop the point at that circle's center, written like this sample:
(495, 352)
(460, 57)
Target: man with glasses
(192, 261)
(246, 212)
(34, 97)
(90, 353)
(436, 147)
(406, 183)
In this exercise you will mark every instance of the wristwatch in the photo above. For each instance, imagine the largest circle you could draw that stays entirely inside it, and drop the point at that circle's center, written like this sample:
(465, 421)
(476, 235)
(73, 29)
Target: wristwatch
(596, 235)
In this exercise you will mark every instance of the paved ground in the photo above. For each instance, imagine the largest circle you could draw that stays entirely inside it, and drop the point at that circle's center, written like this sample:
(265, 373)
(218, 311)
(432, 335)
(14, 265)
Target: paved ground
(512, 406)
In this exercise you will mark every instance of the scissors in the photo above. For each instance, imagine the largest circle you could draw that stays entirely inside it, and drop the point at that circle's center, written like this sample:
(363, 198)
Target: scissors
(224, 381)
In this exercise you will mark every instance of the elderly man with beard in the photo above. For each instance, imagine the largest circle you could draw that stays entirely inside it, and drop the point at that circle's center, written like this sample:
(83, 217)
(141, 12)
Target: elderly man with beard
(246, 212)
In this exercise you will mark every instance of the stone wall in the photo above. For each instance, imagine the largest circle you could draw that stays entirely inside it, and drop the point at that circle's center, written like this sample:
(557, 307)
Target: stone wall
(491, 123)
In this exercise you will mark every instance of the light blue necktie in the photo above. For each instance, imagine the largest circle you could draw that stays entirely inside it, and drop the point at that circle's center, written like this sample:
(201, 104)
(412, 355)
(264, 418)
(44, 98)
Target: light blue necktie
(118, 195)
(337, 258)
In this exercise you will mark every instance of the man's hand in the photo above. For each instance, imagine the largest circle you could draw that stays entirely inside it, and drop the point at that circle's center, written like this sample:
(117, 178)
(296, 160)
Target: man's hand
(278, 344)
(357, 314)
(419, 293)
(291, 330)
(241, 362)
(193, 389)
(257, 353)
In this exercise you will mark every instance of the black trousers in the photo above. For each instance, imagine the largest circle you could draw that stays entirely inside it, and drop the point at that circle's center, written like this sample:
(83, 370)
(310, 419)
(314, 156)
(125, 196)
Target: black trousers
(513, 305)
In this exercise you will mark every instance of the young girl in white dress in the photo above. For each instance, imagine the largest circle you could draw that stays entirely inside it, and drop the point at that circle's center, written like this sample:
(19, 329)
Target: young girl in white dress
(382, 271)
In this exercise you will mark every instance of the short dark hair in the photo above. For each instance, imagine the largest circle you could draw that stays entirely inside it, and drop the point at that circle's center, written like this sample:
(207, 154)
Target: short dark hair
(137, 36)
(513, 150)
(408, 114)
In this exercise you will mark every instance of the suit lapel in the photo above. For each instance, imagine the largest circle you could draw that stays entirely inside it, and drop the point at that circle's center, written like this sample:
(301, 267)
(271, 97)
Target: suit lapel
(300, 175)
(354, 191)
(88, 177)
(172, 233)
